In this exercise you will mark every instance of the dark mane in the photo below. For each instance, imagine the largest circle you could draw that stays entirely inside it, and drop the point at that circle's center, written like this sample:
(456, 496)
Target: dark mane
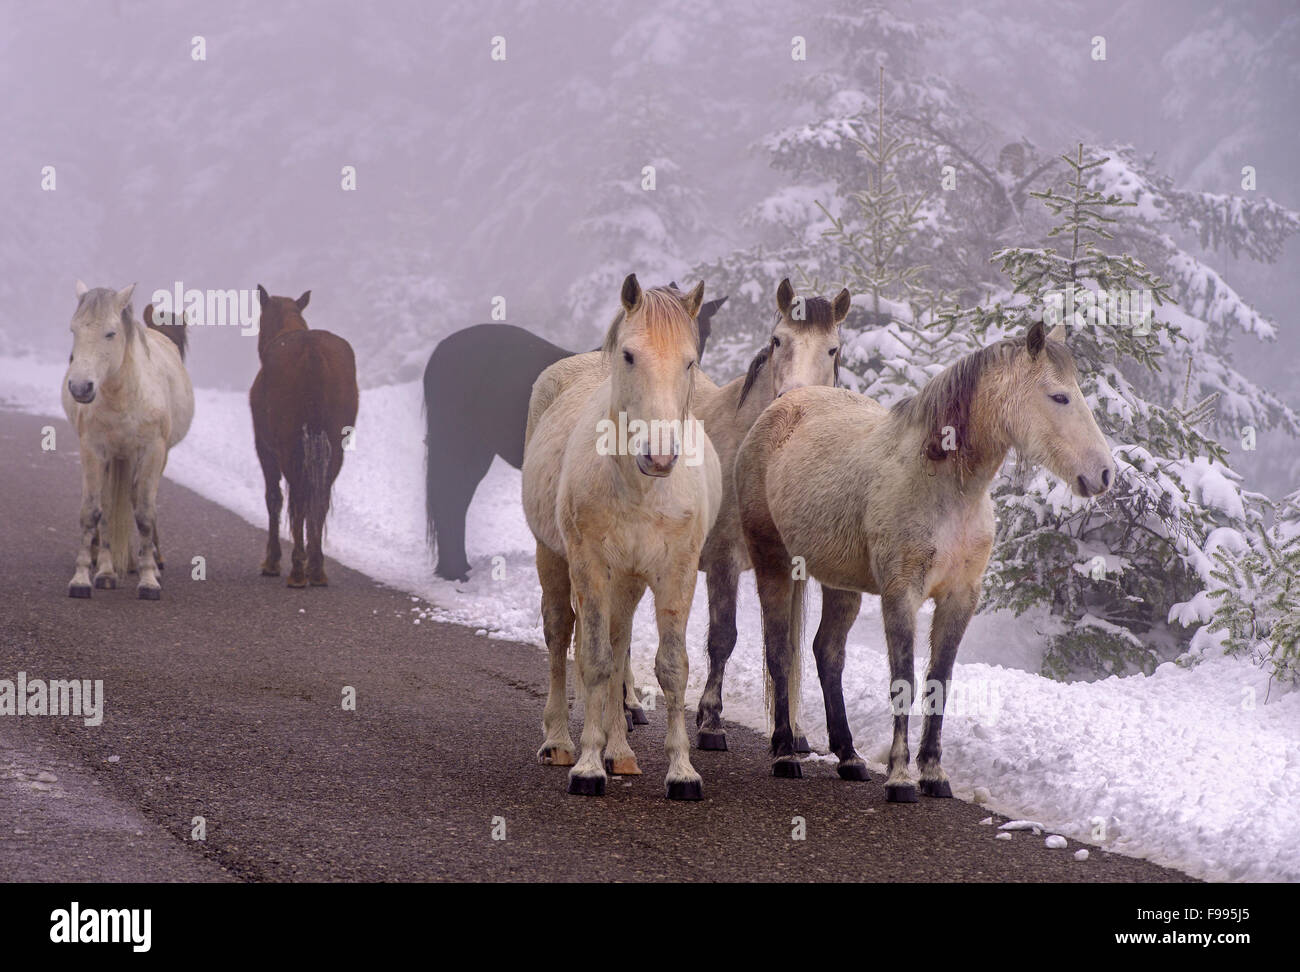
(946, 399)
(819, 313)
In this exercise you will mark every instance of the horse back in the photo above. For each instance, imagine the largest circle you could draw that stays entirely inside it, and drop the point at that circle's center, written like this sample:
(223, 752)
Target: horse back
(308, 378)
(477, 385)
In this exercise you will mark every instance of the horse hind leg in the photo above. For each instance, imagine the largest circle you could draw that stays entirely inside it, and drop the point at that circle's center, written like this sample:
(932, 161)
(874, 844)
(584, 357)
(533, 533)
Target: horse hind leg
(839, 611)
(144, 500)
(297, 517)
(722, 578)
(951, 616)
(270, 565)
(557, 624)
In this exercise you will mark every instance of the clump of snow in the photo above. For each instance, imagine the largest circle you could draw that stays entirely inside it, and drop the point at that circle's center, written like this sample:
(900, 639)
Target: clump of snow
(1055, 841)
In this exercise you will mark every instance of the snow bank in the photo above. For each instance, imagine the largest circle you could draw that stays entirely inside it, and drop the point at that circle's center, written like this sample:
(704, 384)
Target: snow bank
(1188, 768)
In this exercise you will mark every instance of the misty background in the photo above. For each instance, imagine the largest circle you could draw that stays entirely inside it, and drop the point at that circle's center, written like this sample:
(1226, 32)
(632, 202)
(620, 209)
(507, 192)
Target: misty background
(521, 177)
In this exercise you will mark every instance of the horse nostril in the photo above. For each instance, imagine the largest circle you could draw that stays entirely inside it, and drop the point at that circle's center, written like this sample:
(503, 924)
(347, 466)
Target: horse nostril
(1105, 477)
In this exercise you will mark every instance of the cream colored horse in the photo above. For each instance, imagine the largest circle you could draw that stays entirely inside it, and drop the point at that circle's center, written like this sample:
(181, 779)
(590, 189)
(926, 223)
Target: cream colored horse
(614, 511)
(127, 394)
(896, 503)
(803, 349)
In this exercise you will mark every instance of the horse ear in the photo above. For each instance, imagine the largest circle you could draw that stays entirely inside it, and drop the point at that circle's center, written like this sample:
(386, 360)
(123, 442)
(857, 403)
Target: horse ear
(302, 301)
(123, 297)
(1057, 333)
(840, 308)
(694, 300)
(702, 323)
(1036, 338)
(673, 284)
(631, 295)
(784, 296)
(263, 297)
(81, 290)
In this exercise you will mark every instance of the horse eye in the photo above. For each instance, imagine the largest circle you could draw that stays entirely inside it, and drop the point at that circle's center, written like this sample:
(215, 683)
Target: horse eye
(776, 342)
(627, 356)
(690, 365)
(1061, 399)
(834, 352)
(110, 335)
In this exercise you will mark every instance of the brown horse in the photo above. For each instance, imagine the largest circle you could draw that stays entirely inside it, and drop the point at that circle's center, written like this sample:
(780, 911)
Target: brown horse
(304, 401)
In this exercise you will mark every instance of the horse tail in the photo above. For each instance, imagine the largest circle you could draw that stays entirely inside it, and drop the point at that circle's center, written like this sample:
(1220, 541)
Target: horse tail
(798, 592)
(121, 514)
(311, 493)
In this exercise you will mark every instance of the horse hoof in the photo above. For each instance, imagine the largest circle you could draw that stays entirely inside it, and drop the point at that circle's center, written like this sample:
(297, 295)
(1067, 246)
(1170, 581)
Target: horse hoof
(936, 788)
(452, 573)
(685, 790)
(149, 593)
(628, 716)
(801, 744)
(78, 590)
(587, 785)
(853, 769)
(295, 581)
(900, 793)
(638, 716)
(787, 768)
(321, 581)
(553, 756)
(625, 766)
(714, 742)
(106, 582)
(270, 570)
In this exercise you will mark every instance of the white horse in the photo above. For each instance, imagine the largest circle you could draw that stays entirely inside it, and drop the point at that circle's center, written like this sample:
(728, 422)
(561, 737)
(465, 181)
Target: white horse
(613, 516)
(129, 397)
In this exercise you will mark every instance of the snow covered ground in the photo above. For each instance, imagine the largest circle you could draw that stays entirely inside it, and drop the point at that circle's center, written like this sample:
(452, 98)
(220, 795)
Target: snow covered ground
(1188, 768)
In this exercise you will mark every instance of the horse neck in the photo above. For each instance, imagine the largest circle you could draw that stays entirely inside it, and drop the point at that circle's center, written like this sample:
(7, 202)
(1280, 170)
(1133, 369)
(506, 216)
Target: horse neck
(988, 434)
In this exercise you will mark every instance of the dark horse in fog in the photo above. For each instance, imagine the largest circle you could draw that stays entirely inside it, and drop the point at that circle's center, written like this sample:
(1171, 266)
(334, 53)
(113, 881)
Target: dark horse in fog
(304, 402)
(476, 388)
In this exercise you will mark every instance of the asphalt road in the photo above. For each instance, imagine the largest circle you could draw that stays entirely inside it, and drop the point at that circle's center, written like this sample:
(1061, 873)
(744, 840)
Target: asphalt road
(223, 700)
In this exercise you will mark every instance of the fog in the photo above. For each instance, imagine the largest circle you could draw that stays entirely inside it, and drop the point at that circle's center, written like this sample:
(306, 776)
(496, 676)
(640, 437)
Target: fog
(478, 177)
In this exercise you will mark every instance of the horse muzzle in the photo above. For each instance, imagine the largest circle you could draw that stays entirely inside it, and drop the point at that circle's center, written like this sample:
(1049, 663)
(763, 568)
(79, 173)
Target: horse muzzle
(657, 466)
(1095, 484)
(82, 391)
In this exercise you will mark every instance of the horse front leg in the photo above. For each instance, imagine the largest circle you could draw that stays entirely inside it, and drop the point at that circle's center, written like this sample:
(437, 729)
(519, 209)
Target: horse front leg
(596, 665)
(722, 577)
(557, 624)
(673, 594)
(951, 616)
(144, 500)
(274, 504)
(839, 611)
(626, 594)
(899, 606)
(92, 512)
